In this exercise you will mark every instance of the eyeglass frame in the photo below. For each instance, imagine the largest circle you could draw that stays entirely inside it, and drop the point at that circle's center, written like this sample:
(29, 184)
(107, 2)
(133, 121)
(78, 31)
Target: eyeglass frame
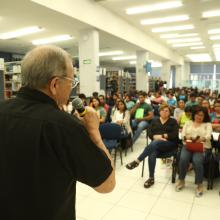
(74, 81)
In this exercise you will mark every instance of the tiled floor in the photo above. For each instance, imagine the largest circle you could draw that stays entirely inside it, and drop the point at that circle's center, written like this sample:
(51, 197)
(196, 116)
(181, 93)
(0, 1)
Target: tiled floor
(131, 201)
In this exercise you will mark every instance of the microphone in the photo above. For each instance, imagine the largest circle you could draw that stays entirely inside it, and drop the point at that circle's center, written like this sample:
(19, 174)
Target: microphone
(78, 105)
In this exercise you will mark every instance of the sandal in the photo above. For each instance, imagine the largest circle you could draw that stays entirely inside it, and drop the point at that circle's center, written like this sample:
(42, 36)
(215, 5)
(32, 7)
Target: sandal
(132, 165)
(149, 183)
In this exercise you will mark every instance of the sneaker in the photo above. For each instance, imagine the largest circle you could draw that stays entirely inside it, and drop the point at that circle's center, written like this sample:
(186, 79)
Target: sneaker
(180, 185)
(199, 190)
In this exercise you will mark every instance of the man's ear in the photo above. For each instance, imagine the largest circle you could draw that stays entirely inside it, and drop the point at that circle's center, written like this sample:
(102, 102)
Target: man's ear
(53, 85)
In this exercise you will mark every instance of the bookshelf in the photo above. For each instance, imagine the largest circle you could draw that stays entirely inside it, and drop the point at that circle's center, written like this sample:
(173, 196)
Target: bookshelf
(12, 79)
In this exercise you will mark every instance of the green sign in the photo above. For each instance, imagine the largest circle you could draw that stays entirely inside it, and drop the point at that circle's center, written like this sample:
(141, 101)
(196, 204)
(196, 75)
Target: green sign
(88, 61)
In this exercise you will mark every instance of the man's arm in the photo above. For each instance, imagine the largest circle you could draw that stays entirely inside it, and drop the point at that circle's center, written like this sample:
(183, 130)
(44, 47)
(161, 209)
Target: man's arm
(91, 123)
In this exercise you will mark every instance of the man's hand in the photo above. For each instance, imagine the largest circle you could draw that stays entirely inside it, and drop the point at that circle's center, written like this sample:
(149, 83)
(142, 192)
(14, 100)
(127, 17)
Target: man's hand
(91, 120)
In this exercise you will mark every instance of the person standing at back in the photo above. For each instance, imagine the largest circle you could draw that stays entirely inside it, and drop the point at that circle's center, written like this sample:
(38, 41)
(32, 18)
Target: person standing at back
(44, 151)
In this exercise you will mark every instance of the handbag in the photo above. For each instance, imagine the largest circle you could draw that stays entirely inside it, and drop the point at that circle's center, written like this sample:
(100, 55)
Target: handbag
(194, 146)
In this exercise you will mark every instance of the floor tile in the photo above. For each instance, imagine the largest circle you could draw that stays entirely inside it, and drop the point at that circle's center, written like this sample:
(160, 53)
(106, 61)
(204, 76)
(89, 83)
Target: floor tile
(172, 209)
(138, 201)
(204, 213)
(122, 213)
(91, 209)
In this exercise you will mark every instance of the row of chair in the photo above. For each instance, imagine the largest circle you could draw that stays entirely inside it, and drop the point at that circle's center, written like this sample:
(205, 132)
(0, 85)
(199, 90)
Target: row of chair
(111, 135)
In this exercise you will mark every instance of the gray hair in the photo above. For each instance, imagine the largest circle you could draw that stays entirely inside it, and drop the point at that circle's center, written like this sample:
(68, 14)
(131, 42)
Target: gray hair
(41, 64)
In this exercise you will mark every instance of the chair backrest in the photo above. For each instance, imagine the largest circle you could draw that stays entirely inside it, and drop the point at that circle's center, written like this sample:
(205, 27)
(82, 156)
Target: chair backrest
(110, 131)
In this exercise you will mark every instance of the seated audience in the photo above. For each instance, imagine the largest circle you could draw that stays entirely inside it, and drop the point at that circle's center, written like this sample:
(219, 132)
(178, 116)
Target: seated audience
(122, 116)
(143, 114)
(179, 110)
(99, 109)
(192, 100)
(129, 103)
(102, 103)
(185, 116)
(198, 130)
(163, 132)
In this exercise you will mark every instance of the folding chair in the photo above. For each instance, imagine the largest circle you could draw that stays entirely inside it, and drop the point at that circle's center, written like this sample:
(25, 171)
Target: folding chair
(162, 155)
(111, 135)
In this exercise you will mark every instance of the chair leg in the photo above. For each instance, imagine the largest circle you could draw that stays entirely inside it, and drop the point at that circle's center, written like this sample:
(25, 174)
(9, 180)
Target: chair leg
(174, 170)
(115, 156)
(120, 150)
(142, 173)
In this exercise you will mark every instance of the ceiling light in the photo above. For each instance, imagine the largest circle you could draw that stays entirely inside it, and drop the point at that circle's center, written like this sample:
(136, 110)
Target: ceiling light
(187, 44)
(214, 31)
(216, 45)
(215, 37)
(20, 32)
(165, 20)
(193, 39)
(197, 48)
(213, 13)
(202, 57)
(172, 28)
(133, 62)
(167, 36)
(155, 63)
(154, 7)
(52, 39)
(124, 58)
(111, 53)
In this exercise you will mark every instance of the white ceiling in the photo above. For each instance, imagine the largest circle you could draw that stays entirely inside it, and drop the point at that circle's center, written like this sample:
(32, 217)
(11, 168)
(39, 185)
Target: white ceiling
(193, 8)
(15, 14)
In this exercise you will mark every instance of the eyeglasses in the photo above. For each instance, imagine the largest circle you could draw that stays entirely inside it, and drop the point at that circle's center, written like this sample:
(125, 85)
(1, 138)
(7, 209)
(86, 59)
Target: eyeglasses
(74, 81)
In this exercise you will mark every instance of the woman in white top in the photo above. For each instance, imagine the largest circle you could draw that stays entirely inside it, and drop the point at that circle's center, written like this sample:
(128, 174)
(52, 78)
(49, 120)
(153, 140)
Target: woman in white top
(122, 116)
(198, 130)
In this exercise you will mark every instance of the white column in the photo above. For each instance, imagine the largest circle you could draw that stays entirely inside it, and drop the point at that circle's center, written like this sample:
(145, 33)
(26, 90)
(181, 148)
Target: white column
(179, 76)
(186, 75)
(141, 75)
(165, 72)
(89, 62)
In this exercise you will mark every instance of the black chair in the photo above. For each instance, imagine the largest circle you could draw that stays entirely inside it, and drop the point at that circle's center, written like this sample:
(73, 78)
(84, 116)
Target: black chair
(211, 167)
(175, 155)
(111, 135)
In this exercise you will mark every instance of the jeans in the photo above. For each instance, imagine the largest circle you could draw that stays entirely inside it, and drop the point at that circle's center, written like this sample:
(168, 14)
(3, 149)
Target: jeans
(197, 160)
(140, 127)
(153, 150)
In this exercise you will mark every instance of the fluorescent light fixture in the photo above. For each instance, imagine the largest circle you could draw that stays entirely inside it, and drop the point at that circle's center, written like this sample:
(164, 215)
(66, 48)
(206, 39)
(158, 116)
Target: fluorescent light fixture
(216, 45)
(20, 32)
(215, 37)
(200, 57)
(181, 40)
(133, 62)
(213, 13)
(111, 53)
(154, 7)
(52, 39)
(124, 58)
(165, 20)
(214, 31)
(197, 48)
(187, 44)
(172, 28)
(167, 36)
(155, 64)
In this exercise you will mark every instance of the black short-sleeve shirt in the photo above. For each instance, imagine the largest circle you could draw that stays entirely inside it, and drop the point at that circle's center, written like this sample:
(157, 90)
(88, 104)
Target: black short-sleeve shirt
(43, 152)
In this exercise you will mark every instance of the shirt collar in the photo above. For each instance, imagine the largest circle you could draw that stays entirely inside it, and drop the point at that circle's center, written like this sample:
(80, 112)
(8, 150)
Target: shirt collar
(33, 94)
